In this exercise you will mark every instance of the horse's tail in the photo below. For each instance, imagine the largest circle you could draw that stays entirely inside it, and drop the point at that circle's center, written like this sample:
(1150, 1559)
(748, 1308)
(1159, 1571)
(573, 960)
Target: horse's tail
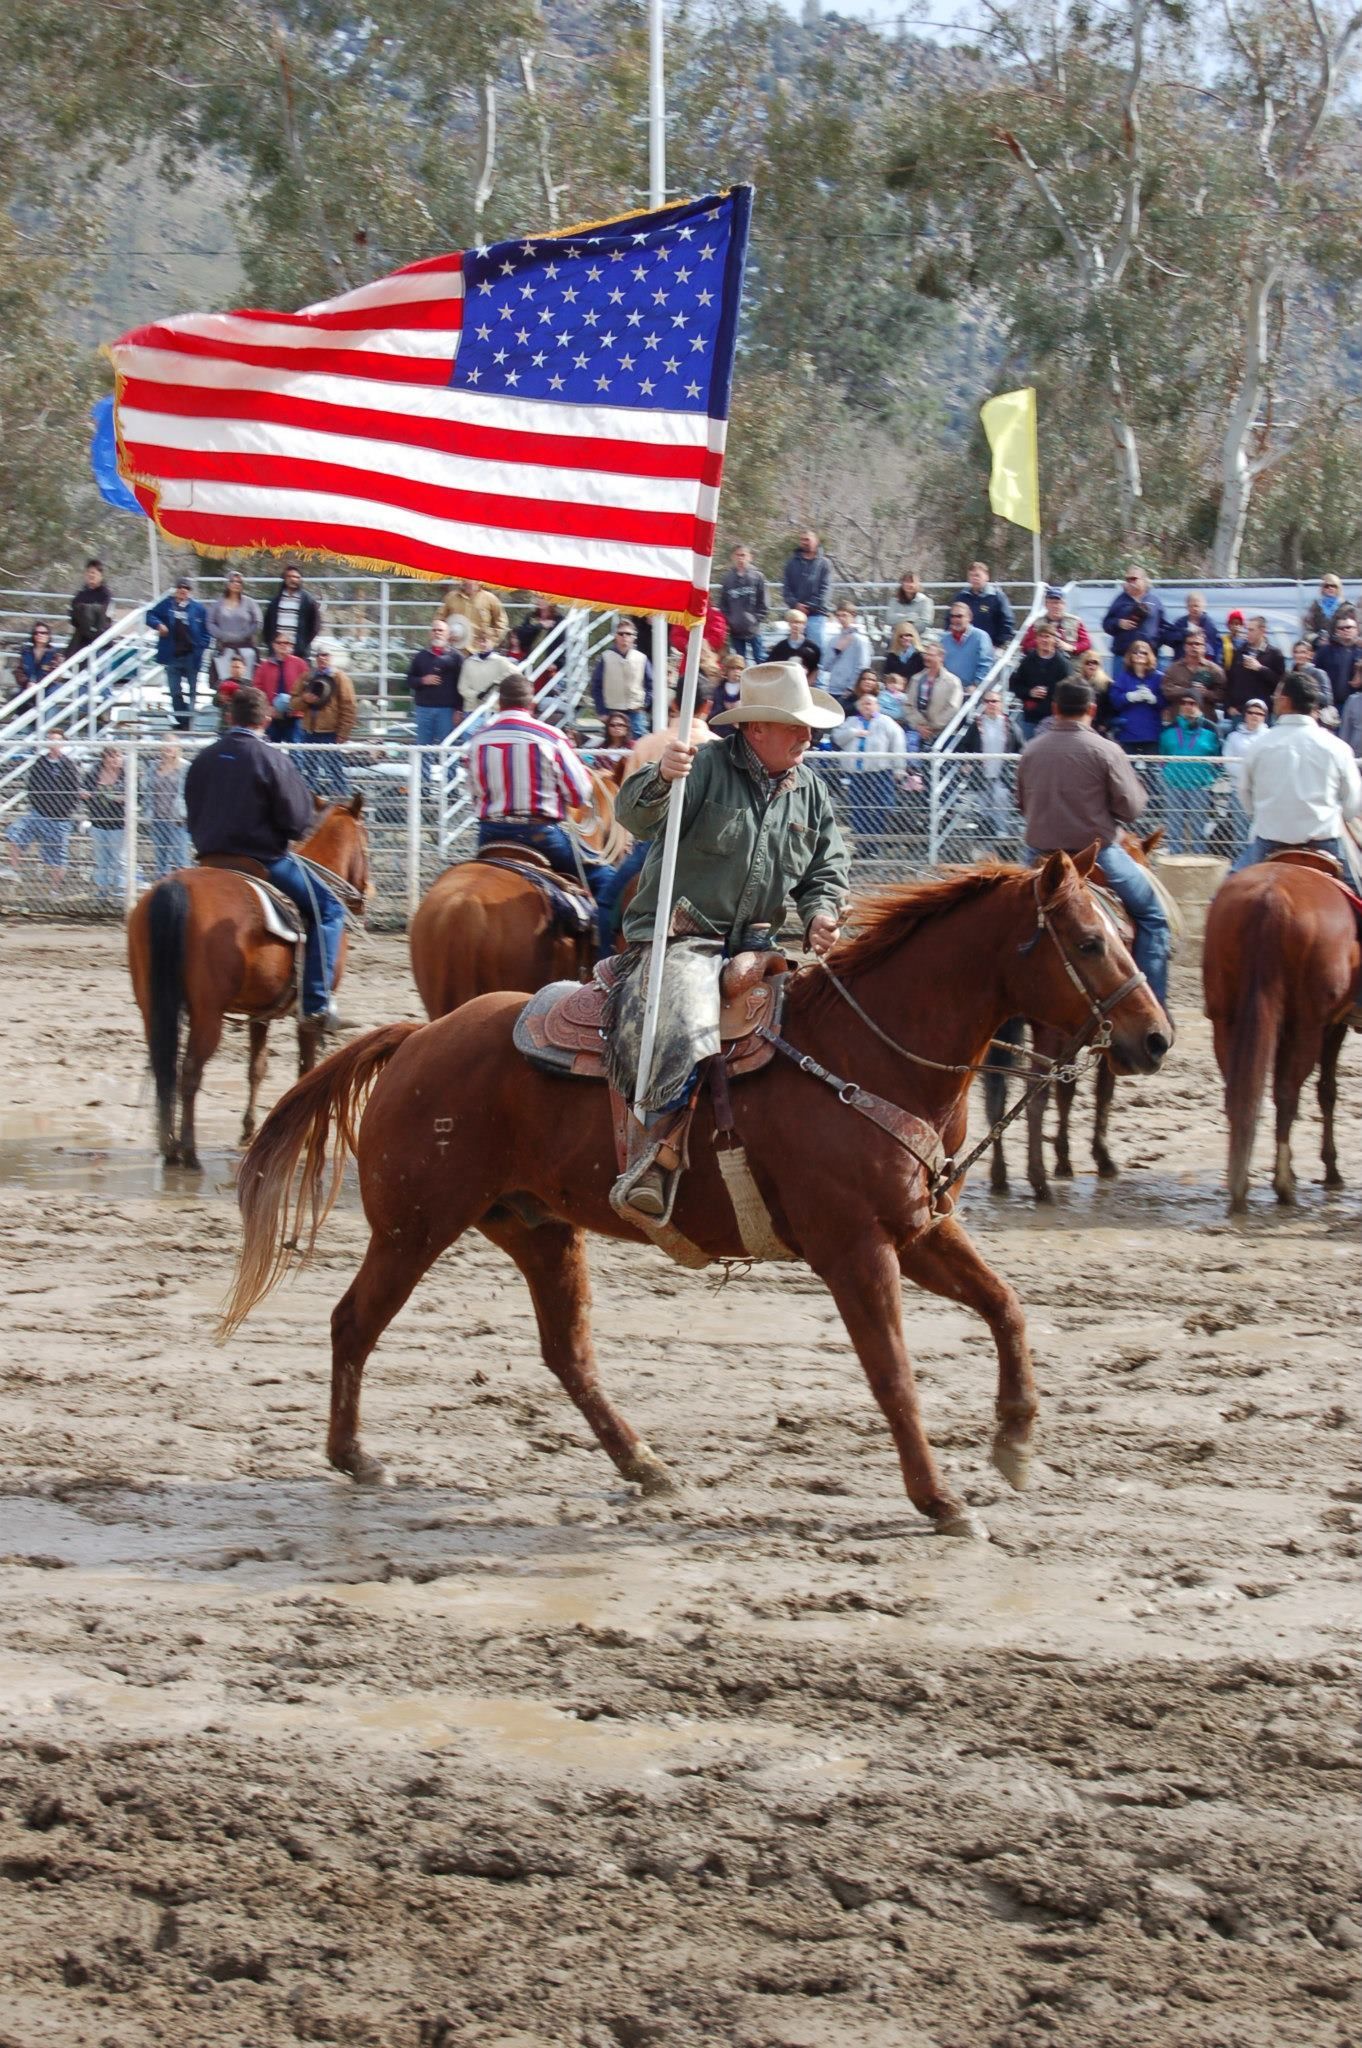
(1255, 1034)
(278, 1203)
(167, 922)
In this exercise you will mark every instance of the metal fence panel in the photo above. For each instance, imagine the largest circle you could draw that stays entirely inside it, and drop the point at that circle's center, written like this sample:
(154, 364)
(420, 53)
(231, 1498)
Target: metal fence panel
(900, 818)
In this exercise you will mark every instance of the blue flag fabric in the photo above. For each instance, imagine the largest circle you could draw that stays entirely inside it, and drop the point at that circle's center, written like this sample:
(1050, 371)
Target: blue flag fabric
(639, 312)
(104, 460)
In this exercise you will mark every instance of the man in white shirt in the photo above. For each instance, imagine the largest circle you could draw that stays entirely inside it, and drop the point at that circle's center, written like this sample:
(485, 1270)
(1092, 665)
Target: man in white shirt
(1300, 783)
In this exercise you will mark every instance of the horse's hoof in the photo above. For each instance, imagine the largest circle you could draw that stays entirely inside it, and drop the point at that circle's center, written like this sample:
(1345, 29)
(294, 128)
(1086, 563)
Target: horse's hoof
(1042, 1193)
(961, 1522)
(649, 1474)
(1107, 1169)
(1285, 1191)
(1013, 1461)
(1333, 1178)
(360, 1466)
(997, 1184)
(191, 1162)
(1064, 1169)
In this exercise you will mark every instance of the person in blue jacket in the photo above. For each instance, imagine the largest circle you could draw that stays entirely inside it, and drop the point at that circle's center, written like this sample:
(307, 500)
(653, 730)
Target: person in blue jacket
(1137, 614)
(1191, 748)
(1137, 700)
(180, 623)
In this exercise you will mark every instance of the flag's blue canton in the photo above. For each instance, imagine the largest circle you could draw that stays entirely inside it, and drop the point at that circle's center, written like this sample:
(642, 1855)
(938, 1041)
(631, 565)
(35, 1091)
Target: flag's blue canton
(627, 315)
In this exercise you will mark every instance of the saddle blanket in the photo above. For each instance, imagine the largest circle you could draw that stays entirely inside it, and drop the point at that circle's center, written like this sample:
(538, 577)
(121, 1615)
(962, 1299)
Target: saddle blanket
(574, 912)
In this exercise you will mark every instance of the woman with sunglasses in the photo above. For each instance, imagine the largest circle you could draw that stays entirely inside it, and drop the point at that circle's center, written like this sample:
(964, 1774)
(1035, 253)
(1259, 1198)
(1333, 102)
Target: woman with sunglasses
(1322, 619)
(37, 660)
(1089, 669)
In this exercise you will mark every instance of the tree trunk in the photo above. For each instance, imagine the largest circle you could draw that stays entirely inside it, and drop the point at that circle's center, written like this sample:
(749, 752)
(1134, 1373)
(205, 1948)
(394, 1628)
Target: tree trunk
(1238, 468)
(487, 149)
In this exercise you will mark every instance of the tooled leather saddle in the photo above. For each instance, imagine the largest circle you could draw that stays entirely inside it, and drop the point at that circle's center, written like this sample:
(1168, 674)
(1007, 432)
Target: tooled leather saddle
(564, 1028)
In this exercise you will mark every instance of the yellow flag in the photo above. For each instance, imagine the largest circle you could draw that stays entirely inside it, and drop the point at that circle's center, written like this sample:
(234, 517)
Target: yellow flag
(1014, 487)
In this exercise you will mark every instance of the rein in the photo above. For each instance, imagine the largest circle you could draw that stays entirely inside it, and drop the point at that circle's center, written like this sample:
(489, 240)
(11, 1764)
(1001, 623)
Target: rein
(350, 896)
(1092, 1038)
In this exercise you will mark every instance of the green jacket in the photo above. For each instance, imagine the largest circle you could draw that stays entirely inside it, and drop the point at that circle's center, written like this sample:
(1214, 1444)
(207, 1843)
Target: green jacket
(740, 856)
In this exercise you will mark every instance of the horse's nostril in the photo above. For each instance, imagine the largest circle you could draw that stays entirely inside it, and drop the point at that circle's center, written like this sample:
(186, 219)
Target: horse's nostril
(1156, 1045)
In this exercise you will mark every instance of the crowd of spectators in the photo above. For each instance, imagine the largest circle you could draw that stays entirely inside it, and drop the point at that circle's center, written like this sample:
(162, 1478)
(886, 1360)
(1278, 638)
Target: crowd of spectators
(1170, 682)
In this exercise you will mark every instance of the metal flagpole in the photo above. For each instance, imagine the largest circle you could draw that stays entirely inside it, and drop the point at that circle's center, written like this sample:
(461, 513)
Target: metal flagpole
(154, 560)
(657, 196)
(667, 880)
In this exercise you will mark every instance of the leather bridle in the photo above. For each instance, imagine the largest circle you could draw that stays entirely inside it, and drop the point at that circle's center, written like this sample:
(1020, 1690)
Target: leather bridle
(1093, 1038)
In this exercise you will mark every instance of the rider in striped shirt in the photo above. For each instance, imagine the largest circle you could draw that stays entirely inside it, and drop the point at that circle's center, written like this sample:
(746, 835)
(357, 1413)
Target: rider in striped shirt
(526, 778)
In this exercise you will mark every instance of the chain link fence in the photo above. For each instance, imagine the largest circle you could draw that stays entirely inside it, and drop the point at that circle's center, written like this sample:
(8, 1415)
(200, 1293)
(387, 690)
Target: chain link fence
(83, 839)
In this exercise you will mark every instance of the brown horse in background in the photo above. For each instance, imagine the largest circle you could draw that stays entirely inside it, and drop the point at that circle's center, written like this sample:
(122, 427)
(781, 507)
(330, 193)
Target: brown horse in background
(461, 1133)
(1063, 1092)
(197, 942)
(1279, 969)
(480, 928)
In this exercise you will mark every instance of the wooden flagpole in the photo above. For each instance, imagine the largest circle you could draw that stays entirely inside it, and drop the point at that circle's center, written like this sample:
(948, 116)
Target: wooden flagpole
(671, 842)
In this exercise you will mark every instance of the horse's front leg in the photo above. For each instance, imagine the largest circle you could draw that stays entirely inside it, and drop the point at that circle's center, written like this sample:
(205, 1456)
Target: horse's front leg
(1064, 1105)
(945, 1262)
(1101, 1118)
(864, 1283)
(257, 1059)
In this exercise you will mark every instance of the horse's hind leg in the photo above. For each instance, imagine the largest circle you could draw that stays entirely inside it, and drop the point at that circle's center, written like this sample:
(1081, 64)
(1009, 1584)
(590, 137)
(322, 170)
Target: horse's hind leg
(256, 1061)
(1328, 1098)
(1290, 1076)
(379, 1289)
(552, 1257)
(205, 1035)
(1101, 1117)
(995, 1105)
(946, 1262)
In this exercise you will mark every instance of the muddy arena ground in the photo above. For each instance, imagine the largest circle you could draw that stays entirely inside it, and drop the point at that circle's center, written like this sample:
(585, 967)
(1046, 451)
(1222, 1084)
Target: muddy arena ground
(503, 1755)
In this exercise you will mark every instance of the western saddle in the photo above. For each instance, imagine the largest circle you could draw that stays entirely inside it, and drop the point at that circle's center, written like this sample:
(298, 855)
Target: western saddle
(564, 1028)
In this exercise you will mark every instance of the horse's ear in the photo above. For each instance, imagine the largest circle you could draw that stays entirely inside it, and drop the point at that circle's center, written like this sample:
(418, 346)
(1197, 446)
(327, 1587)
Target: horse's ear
(319, 803)
(1053, 876)
(1086, 861)
(1155, 839)
(357, 803)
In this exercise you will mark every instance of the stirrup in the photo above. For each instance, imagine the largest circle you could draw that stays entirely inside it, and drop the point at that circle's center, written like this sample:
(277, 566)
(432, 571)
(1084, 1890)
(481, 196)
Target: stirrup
(649, 1193)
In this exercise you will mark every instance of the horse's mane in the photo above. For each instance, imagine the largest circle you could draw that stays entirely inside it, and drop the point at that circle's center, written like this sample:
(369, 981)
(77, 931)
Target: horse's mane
(882, 919)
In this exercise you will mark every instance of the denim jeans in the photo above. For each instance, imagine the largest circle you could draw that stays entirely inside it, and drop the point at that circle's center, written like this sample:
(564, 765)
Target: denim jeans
(817, 631)
(750, 646)
(323, 922)
(1259, 849)
(322, 766)
(169, 847)
(1187, 813)
(107, 847)
(870, 800)
(51, 836)
(1131, 886)
(550, 840)
(610, 888)
(182, 675)
(434, 723)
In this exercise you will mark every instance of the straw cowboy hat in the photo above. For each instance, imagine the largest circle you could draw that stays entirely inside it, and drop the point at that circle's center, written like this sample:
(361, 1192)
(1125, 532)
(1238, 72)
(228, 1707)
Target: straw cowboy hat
(778, 693)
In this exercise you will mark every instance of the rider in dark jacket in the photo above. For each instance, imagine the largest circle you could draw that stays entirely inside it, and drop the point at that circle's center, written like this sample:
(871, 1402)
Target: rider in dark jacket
(243, 797)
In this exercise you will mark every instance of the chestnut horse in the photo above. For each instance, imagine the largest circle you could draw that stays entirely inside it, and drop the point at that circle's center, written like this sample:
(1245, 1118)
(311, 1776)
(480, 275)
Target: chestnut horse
(197, 942)
(480, 927)
(1279, 968)
(1046, 1044)
(460, 1133)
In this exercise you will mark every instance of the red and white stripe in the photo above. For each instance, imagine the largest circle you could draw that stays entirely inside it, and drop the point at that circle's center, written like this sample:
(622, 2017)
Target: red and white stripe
(336, 431)
(521, 768)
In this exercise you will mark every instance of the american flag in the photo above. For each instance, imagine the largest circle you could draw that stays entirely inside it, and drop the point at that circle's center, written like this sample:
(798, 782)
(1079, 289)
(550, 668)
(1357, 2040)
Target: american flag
(546, 414)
